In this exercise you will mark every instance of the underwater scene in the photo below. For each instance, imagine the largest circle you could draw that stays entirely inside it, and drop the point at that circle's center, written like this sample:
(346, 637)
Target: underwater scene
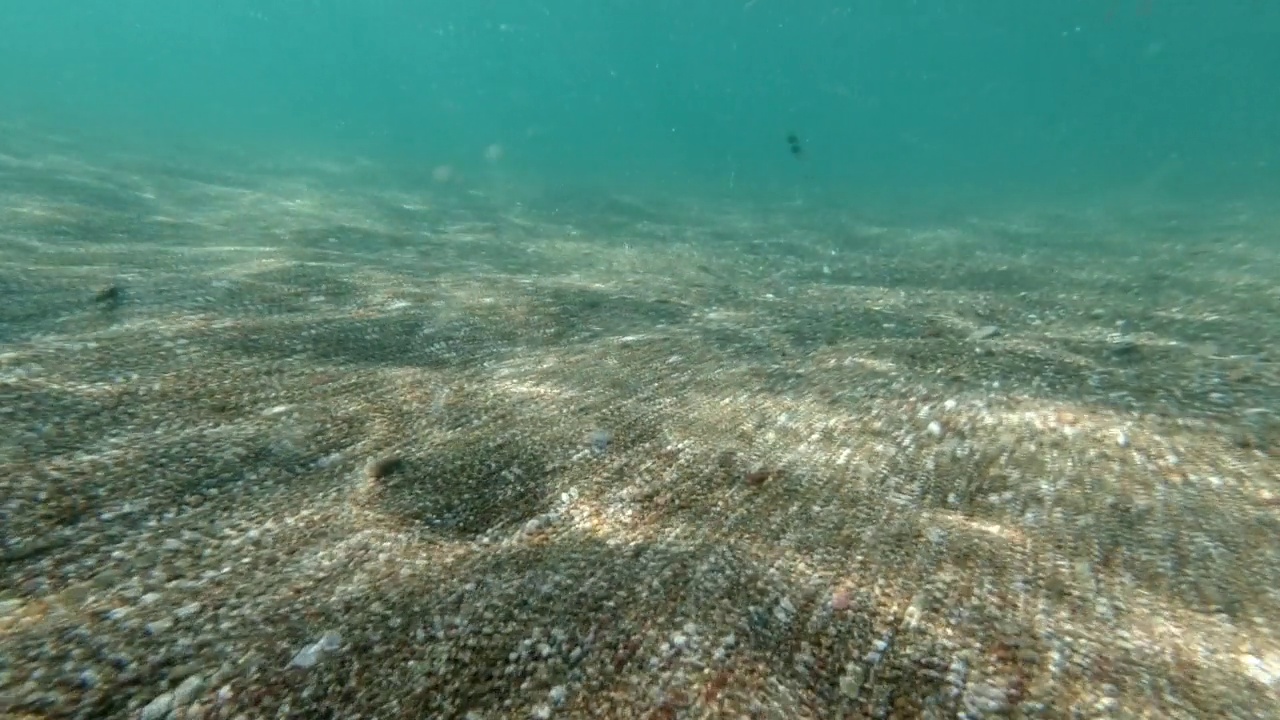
(749, 359)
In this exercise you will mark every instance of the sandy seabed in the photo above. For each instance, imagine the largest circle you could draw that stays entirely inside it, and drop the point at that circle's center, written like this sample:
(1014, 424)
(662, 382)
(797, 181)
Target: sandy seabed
(271, 446)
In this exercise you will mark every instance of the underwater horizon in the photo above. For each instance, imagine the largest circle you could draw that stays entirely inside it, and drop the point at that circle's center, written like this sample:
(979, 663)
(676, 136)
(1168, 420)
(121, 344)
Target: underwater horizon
(567, 359)
(984, 101)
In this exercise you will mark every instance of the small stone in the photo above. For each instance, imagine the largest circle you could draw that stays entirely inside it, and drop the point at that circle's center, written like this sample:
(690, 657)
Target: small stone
(305, 658)
(1265, 670)
(784, 610)
(109, 297)
(541, 712)
(935, 428)
(310, 655)
(558, 695)
(384, 466)
(986, 698)
(851, 681)
(188, 690)
(158, 708)
(331, 640)
(985, 332)
(76, 595)
(187, 610)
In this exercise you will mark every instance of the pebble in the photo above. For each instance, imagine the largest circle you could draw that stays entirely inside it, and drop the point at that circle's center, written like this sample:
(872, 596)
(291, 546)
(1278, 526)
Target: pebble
(986, 698)
(187, 610)
(985, 332)
(1264, 670)
(331, 640)
(188, 690)
(851, 680)
(8, 607)
(158, 708)
(310, 655)
(784, 610)
(306, 658)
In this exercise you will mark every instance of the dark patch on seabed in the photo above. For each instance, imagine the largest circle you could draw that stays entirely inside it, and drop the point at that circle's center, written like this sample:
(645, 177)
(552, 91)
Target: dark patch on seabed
(470, 486)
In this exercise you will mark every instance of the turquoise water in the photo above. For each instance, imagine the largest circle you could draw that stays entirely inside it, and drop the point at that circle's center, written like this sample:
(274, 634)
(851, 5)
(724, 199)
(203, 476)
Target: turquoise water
(582, 358)
(891, 99)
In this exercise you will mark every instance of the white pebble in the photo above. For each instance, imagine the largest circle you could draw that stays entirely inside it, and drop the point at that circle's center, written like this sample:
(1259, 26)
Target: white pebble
(159, 708)
(310, 655)
(306, 657)
(1264, 670)
(558, 694)
(935, 428)
(542, 712)
(331, 640)
(187, 610)
(188, 690)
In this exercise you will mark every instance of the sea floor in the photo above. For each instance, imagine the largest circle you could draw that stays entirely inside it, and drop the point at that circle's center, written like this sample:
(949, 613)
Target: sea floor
(271, 446)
